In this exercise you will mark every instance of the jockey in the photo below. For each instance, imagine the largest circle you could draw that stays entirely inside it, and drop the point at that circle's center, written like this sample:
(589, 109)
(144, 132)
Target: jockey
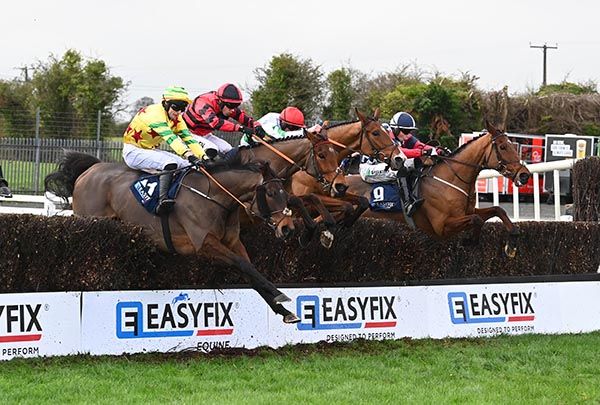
(290, 122)
(4, 190)
(149, 128)
(213, 111)
(401, 129)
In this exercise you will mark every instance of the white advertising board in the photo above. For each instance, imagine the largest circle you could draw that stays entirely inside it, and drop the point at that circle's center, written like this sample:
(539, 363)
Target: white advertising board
(45, 324)
(39, 324)
(170, 321)
(342, 314)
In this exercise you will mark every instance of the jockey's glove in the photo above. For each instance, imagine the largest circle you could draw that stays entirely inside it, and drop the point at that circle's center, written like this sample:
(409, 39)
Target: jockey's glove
(260, 132)
(247, 130)
(428, 152)
(195, 160)
(443, 151)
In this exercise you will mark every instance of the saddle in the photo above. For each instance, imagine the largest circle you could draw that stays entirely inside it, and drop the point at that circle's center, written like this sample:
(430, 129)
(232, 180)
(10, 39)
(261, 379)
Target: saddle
(146, 189)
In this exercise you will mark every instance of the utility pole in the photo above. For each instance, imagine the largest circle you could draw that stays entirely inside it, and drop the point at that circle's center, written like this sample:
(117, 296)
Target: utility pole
(25, 70)
(544, 48)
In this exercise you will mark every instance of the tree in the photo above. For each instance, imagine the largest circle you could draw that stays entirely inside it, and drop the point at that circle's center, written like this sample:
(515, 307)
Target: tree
(341, 95)
(139, 104)
(70, 91)
(288, 81)
(16, 117)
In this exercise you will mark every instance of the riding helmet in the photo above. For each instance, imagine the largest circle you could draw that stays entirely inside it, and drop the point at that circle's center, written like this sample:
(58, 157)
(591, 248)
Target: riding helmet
(403, 120)
(230, 93)
(176, 93)
(292, 116)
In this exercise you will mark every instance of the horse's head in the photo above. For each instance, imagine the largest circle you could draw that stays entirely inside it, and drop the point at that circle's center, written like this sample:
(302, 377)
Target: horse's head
(376, 143)
(323, 164)
(272, 200)
(506, 158)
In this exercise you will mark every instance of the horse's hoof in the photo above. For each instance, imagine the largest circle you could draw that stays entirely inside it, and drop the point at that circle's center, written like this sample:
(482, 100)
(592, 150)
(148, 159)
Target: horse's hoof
(281, 298)
(326, 239)
(290, 318)
(509, 251)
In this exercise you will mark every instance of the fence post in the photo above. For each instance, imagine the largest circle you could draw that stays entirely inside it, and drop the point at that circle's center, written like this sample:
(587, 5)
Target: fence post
(37, 151)
(98, 134)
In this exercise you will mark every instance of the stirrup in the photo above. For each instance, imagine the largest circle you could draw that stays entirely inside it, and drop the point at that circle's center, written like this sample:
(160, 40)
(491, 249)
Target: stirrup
(165, 206)
(412, 207)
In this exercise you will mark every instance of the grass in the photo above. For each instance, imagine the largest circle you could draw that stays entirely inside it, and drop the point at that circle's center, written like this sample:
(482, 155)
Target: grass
(530, 368)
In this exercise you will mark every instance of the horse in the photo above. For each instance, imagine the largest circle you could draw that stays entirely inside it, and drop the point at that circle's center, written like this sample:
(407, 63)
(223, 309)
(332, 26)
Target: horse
(365, 136)
(205, 219)
(310, 165)
(448, 187)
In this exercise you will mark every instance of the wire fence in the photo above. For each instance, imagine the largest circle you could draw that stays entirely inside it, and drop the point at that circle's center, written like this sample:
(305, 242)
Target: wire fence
(26, 161)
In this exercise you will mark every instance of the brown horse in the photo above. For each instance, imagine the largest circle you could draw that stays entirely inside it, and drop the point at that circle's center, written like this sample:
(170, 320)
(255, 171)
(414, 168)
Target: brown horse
(313, 175)
(205, 219)
(365, 136)
(448, 188)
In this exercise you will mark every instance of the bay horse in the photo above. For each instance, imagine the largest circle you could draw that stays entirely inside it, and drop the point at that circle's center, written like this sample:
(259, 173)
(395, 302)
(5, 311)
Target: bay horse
(205, 219)
(312, 173)
(365, 136)
(448, 188)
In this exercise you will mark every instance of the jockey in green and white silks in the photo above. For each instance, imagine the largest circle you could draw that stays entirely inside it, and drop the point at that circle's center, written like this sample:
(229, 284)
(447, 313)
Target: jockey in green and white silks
(290, 122)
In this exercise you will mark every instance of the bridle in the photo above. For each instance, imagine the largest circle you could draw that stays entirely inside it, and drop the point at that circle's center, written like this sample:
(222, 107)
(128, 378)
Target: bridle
(376, 152)
(501, 166)
(317, 173)
(265, 214)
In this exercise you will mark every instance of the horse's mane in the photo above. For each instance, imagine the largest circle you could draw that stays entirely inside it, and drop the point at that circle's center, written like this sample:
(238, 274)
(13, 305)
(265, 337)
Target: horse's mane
(235, 164)
(464, 145)
(341, 123)
(277, 140)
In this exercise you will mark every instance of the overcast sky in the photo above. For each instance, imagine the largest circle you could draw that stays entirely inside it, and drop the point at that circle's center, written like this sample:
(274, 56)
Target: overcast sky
(202, 44)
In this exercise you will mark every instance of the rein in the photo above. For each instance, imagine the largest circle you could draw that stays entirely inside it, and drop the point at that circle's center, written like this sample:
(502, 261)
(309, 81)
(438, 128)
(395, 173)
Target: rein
(362, 135)
(501, 167)
(318, 175)
(265, 215)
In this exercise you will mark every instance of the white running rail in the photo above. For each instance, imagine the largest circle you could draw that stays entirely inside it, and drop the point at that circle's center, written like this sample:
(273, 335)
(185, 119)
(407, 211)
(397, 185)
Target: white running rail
(47, 205)
(535, 169)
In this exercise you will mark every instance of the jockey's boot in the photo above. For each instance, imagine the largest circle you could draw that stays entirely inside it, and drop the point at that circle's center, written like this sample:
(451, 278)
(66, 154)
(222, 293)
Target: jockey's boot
(4, 190)
(411, 204)
(165, 204)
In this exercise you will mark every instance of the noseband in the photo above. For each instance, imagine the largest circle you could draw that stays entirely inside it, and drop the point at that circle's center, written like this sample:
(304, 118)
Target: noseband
(376, 152)
(317, 173)
(263, 207)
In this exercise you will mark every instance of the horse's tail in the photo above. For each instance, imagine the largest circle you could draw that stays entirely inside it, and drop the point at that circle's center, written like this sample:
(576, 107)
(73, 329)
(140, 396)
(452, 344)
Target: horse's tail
(73, 164)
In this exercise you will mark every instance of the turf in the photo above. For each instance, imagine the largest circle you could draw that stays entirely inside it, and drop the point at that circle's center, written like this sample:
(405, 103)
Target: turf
(532, 368)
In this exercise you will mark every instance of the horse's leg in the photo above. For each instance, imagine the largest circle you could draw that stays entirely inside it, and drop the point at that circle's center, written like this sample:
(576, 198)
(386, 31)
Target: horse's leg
(288, 316)
(361, 203)
(327, 219)
(454, 225)
(510, 249)
(297, 205)
(490, 212)
(213, 248)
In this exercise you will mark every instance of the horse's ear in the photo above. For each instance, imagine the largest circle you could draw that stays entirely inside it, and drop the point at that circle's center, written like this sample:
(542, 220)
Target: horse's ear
(311, 137)
(491, 129)
(325, 124)
(376, 114)
(360, 115)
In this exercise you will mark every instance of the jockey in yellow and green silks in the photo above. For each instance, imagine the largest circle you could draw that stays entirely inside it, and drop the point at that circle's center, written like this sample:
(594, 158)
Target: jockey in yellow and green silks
(149, 128)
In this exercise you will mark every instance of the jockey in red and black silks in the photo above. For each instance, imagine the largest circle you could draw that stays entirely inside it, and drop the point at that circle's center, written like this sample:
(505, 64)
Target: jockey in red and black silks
(213, 111)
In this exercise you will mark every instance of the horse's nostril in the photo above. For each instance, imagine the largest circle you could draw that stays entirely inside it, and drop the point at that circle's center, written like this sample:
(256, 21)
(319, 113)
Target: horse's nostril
(524, 177)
